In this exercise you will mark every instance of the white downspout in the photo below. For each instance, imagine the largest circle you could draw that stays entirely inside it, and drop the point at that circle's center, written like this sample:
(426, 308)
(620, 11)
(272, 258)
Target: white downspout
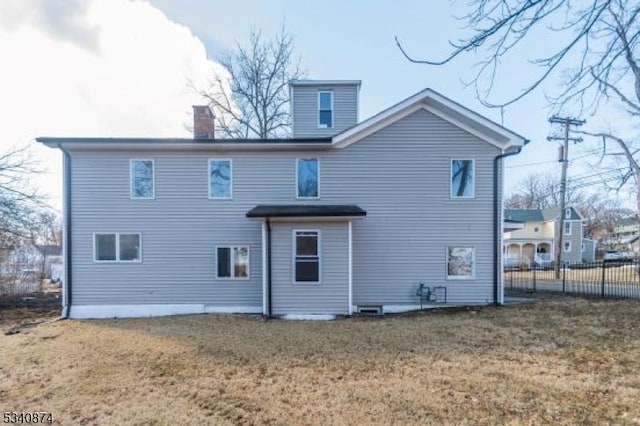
(350, 269)
(264, 268)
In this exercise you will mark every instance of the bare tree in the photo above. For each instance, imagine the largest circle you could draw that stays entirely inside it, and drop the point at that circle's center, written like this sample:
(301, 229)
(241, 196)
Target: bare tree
(20, 202)
(541, 191)
(594, 45)
(253, 100)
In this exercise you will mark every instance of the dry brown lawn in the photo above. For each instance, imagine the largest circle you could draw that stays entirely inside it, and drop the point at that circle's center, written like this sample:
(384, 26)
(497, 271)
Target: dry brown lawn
(560, 360)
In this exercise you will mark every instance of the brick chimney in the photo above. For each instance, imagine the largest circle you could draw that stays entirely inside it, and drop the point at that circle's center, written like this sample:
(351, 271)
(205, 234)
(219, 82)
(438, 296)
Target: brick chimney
(203, 127)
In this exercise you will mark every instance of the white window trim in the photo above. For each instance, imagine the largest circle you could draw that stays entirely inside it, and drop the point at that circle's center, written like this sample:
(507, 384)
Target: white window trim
(446, 263)
(473, 179)
(293, 256)
(570, 228)
(232, 260)
(296, 189)
(211, 197)
(332, 109)
(153, 179)
(567, 247)
(567, 213)
(117, 234)
(583, 247)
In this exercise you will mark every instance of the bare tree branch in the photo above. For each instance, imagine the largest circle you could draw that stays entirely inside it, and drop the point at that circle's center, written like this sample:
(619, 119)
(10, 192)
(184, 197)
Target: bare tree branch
(253, 99)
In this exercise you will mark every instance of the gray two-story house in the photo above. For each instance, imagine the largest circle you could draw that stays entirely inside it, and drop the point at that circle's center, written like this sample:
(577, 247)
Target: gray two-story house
(345, 216)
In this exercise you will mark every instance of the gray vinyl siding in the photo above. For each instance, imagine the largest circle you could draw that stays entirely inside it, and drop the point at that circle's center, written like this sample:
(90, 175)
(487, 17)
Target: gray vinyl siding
(305, 110)
(400, 175)
(180, 229)
(575, 255)
(588, 255)
(331, 295)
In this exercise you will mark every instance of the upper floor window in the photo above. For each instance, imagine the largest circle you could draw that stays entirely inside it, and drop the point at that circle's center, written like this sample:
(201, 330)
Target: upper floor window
(142, 179)
(567, 228)
(536, 229)
(567, 213)
(325, 109)
(567, 246)
(307, 178)
(220, 176)
(462, 178)
(117, 247)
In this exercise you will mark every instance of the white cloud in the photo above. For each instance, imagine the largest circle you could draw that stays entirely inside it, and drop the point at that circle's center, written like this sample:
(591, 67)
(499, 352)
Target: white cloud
(94, 68)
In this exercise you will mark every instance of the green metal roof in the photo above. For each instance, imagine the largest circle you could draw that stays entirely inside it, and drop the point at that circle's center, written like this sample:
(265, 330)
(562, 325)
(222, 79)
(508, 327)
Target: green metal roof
(538, 215)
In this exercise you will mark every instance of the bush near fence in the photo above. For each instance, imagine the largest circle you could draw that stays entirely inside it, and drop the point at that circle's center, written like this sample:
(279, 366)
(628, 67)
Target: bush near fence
(605, 279)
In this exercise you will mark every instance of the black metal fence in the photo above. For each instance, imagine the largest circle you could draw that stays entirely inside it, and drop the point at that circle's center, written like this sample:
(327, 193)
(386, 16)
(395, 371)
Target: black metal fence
(618, 279)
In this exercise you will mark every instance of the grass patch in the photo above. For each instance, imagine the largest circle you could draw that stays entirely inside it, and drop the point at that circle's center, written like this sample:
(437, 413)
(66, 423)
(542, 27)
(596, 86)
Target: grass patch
(560, 360)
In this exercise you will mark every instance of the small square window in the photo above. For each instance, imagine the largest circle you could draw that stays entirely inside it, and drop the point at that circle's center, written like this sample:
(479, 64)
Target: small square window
(460, 263)
(233, 262)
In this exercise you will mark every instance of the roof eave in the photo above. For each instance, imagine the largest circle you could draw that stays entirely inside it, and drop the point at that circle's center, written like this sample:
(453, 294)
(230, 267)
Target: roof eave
(429, 99)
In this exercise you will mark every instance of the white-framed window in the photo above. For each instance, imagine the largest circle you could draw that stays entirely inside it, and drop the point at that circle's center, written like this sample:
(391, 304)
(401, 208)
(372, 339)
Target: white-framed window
(308, 178)
(220, 179)
(142, 179)
(123, 247)
(567, 246)
(567, 213)
(232, 262)
(462, 178)
(461, 263)
(306, 256)
(567, 228)
(582, 247)
(325, 109)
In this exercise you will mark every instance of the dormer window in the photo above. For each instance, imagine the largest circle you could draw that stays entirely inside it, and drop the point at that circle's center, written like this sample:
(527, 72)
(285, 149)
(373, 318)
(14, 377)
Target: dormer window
(325, 110)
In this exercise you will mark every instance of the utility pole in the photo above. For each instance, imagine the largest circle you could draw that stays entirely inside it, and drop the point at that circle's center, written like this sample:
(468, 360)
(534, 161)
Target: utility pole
(564, 159)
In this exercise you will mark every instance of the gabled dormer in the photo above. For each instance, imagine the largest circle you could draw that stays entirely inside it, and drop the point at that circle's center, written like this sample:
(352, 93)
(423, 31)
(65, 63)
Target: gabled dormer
(323, 108)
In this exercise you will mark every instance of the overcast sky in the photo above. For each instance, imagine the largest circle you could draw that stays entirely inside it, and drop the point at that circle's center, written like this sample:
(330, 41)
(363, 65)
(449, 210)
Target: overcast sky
(120, 67)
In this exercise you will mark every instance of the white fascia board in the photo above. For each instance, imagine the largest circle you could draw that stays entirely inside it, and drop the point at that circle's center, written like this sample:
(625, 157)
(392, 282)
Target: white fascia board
(430, 101)
(325, 83)
(213, 147)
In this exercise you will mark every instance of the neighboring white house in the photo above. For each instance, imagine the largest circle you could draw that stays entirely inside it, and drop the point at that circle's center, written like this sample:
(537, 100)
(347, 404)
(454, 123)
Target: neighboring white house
(346, 216)
(536, 241)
